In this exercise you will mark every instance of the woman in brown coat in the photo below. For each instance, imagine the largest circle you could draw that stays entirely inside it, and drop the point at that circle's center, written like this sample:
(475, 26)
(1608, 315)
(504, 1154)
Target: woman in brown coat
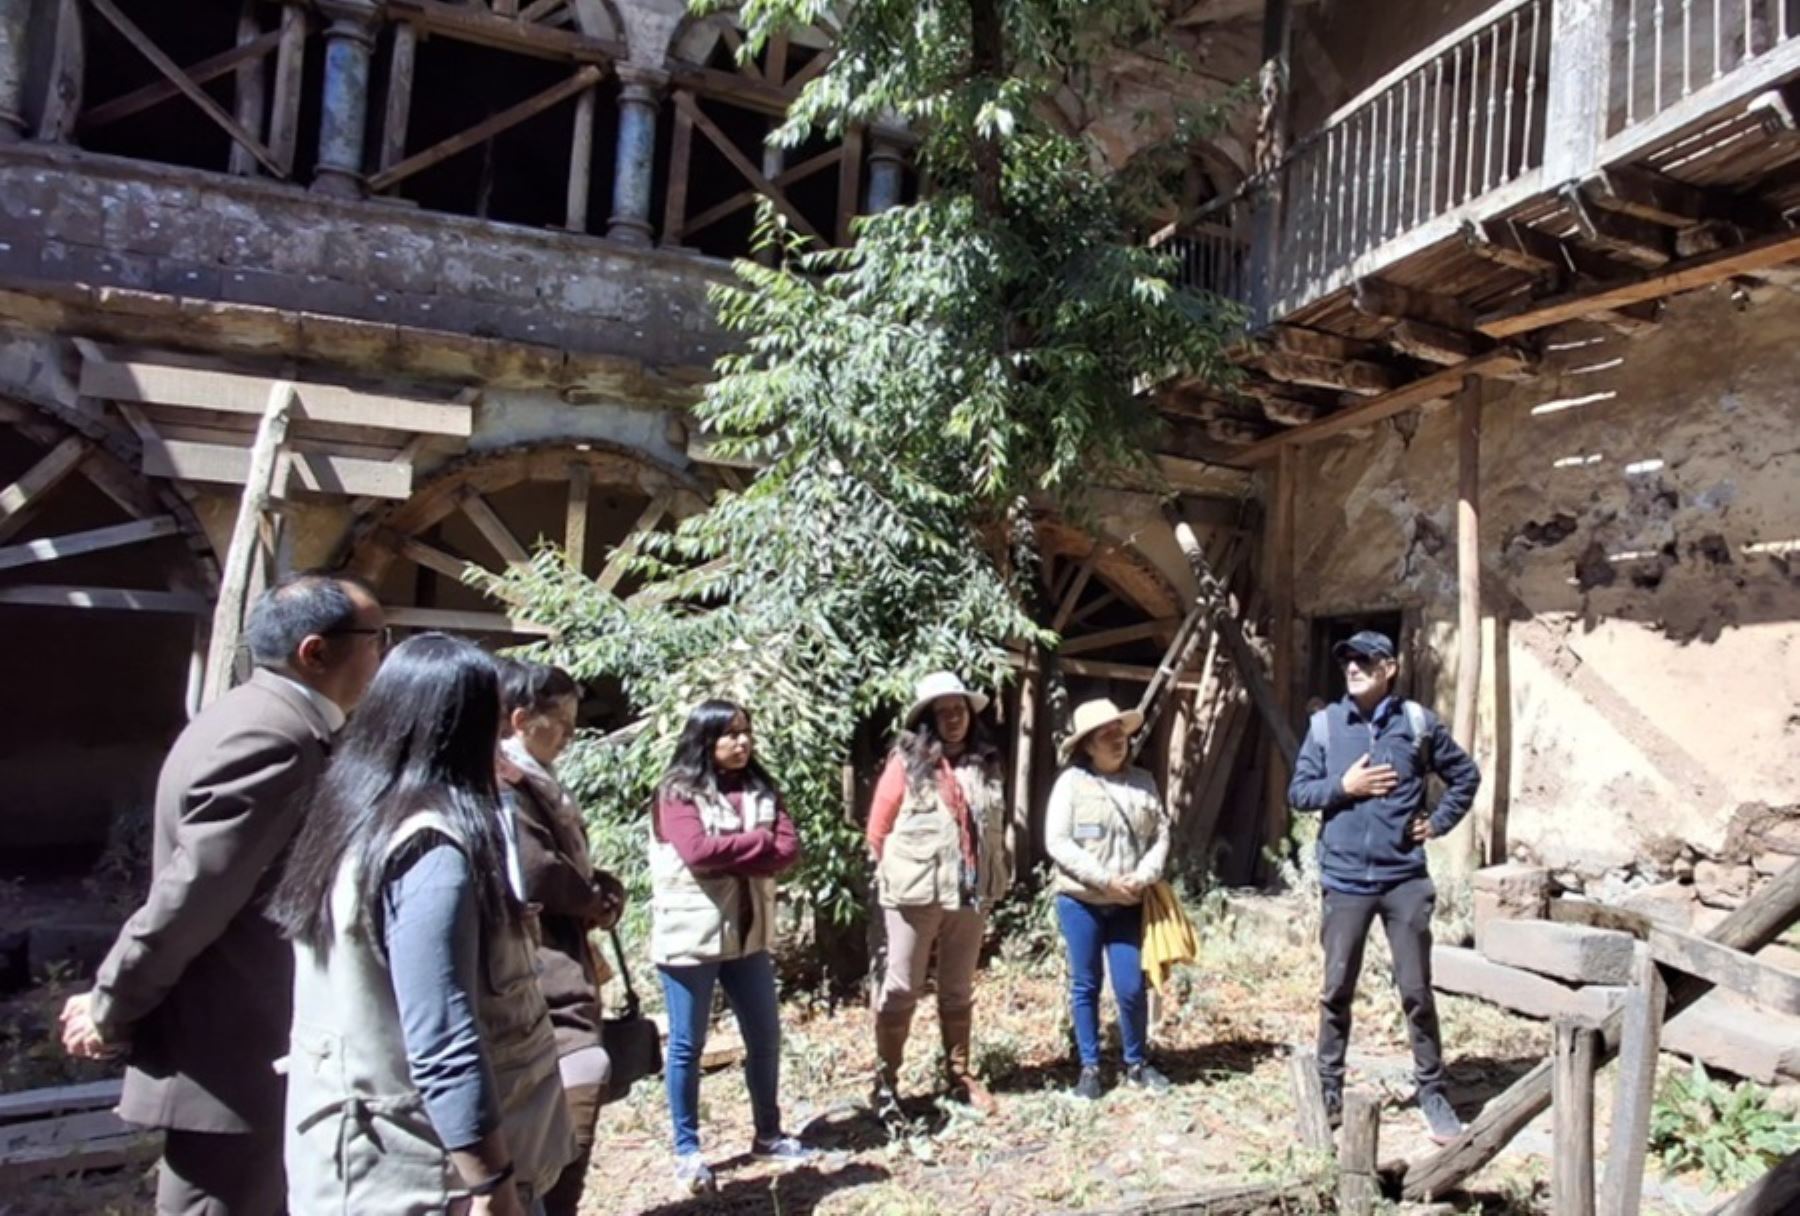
(556, 878)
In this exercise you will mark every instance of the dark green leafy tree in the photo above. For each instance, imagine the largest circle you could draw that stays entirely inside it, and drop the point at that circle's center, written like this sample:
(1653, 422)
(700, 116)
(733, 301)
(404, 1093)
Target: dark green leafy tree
(907, 401)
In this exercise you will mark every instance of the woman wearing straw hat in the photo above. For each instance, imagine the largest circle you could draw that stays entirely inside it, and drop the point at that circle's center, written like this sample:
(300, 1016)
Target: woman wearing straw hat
(937, 829)
(1106, 832)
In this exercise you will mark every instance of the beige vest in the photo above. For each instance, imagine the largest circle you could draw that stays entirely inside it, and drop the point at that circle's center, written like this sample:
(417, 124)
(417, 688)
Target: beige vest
(1115, 821)
(716, 917)
(922, 858)
(358, 1138)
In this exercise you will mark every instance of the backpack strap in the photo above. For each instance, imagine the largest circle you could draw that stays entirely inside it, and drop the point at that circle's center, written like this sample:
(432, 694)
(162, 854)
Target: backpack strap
(1418, 718)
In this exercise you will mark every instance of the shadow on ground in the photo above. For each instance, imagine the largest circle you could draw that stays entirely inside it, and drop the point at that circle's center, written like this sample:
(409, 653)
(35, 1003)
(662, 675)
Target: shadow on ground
(795, 1193)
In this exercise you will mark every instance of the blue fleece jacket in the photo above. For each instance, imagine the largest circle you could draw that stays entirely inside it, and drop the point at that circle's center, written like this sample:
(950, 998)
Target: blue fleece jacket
(1363, 849)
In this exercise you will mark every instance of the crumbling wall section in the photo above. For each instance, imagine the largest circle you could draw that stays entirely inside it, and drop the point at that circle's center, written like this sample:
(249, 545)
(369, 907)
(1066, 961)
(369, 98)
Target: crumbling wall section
(1641, 569)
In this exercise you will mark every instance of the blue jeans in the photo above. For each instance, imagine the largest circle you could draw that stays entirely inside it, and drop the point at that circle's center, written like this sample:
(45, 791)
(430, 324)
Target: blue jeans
(1105, 936)
(749, 984)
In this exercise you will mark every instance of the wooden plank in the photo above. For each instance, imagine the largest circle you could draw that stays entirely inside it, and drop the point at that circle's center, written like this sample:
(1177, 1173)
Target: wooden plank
(290, 67)
(18, 499)
(681, 161)
(461, 621)
(584, 78)
(473, 24)
(1355, 376)
(581, 163)
(1143, 630)
(113, 599)
(1572, 1087)
(614, 570)
(1626, 237)
(1771, 987)
(1685, 275)
(685, 103)
(318, 472)
(1392, 302)
(1359, 1187)
(234, 393)
(54, 548)
(1776, 1193)
(193, 92)
(575, 520)
(203, 71)
(1635, 1090)
(234, 580)
(1434, 387)
(1313, 1125)
(1435, 344)
(1762, 918)
(397, 113)
(488, 522)
(59, 1100)
(1659, 199)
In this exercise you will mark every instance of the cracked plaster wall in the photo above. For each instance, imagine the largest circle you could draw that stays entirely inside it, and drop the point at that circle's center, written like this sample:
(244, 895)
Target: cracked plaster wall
(1642, 570)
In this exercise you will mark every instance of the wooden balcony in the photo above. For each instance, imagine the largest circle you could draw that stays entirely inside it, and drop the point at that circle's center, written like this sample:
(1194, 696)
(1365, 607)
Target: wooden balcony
(1551, 159)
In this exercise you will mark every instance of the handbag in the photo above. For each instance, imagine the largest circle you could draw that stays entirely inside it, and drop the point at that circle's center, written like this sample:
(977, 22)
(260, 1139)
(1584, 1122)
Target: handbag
(631, 1040)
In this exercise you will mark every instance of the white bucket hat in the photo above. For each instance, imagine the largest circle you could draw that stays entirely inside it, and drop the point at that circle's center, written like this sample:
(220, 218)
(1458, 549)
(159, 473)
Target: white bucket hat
(942, 684)
(1090, 716)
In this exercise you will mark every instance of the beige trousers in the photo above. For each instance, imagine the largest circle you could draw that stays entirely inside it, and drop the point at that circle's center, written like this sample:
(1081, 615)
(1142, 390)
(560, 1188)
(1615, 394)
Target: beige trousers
(911, 932)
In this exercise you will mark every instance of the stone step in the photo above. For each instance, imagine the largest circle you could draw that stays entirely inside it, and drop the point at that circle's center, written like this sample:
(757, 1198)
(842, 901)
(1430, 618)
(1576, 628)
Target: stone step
(1577, 953)
(1467, 973)
(1723, 1032)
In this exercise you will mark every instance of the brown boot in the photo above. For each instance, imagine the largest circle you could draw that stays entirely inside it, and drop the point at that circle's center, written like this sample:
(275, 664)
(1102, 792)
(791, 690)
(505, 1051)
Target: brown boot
(891, 1030)
(964, 1087)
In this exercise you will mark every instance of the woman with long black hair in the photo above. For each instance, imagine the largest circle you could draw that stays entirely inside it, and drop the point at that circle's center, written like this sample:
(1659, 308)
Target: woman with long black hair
(422, 1067)
(719, 835)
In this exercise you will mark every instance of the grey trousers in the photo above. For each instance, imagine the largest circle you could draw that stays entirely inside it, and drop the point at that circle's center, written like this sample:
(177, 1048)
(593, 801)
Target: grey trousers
(1405, 913)
(221, 1174)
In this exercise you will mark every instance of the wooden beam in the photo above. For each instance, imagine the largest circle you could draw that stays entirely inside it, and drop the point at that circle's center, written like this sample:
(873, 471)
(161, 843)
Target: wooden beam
(233, 393)
(1680, 276)
(490, 525)
(1637, 241)
(575, 517)
(202, 72)
(1278, 576)
(1772, 988)
(1313, 1124)
(1434, 344)
(112, 599)
(290, 67)
(681, 162)
(193, 92)
(1640, 1039)
(1468, 563)
(1024, 748)
(1088, 642)
(685, 103)
(850, 175)
(1078, 581)
(584, 78)
(744, 198)
(1359, 1183)
(1572, 1085)
(473, 24)
(431, 557)
(462, 621)
(1298, 340)
(1392, 302)
(55, 548)
(1355, 376)
(17, 500)
(614, 570)
(1659, 199)
(1438, 385)
(1776, 1193)
(397, 113)
(247, 87)
(581, 163)
(317, 472)
(234, 581)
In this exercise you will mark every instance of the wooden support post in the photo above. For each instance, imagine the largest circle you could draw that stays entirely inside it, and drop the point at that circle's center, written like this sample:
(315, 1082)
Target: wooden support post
(228, 613)
(575, 526)
(1762, 918)
(15, 19)
(1024, 743)
(1278, 577)
(290, 64)
(1572, 1085)
(1776, 1193)
(1639, 1041)
(18, 500)
(248, 82)
(1309, 1100)
(1581, 43)
(68, 71)
(1468, 561)
(581, 162)
(1359, 1184)
(398, 113)
(1270, 153)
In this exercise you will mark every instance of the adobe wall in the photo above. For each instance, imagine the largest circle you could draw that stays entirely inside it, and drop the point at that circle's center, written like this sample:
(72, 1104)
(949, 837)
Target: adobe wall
(1641, 548)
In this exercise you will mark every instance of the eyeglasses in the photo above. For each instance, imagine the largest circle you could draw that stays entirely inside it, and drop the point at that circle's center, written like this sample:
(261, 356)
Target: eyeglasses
(384, 636)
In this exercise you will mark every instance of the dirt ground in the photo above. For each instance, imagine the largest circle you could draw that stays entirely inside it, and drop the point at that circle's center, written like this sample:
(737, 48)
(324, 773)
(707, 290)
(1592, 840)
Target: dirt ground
(1223, 1037)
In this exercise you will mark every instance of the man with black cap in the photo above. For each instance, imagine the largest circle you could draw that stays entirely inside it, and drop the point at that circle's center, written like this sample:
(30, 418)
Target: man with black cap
(1363, 764)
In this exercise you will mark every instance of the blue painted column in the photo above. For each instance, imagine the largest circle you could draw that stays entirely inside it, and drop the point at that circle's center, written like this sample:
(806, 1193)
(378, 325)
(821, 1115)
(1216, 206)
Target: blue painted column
(887, 168)
(15, 15)
(344, 115)
(634, 163)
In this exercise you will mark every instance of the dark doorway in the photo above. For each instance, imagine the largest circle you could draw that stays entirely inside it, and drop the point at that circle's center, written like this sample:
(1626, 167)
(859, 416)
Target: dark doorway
(1325, 679)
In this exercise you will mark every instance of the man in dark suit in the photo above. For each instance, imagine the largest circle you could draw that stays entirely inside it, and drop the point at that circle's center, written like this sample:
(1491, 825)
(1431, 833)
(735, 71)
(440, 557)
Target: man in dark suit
(197, 990)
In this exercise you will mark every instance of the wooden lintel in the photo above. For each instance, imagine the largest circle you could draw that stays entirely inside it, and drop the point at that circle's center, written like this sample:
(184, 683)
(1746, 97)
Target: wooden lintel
(93, 540)
(317, 472)
(1438, 385)
(584, 78)
(160, 384)
(1392, 302)
(1678, 277)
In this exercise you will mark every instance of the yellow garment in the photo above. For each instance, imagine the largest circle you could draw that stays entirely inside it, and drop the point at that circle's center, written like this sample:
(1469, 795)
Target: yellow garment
(1168, 934)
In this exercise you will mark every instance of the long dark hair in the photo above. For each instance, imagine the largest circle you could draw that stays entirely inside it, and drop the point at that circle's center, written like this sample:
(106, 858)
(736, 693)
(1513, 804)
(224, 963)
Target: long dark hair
(923, 749)
(692, 771)
(422, 740)
(533, 687)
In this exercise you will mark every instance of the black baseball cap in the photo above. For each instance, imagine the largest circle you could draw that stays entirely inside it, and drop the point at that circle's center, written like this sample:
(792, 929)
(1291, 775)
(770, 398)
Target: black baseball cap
(1368, 644)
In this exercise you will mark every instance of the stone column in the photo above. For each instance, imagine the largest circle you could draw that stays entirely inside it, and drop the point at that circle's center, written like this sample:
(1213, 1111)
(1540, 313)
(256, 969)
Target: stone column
(634, 163)
(343, 118)
(886, 171)
(15, 16)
